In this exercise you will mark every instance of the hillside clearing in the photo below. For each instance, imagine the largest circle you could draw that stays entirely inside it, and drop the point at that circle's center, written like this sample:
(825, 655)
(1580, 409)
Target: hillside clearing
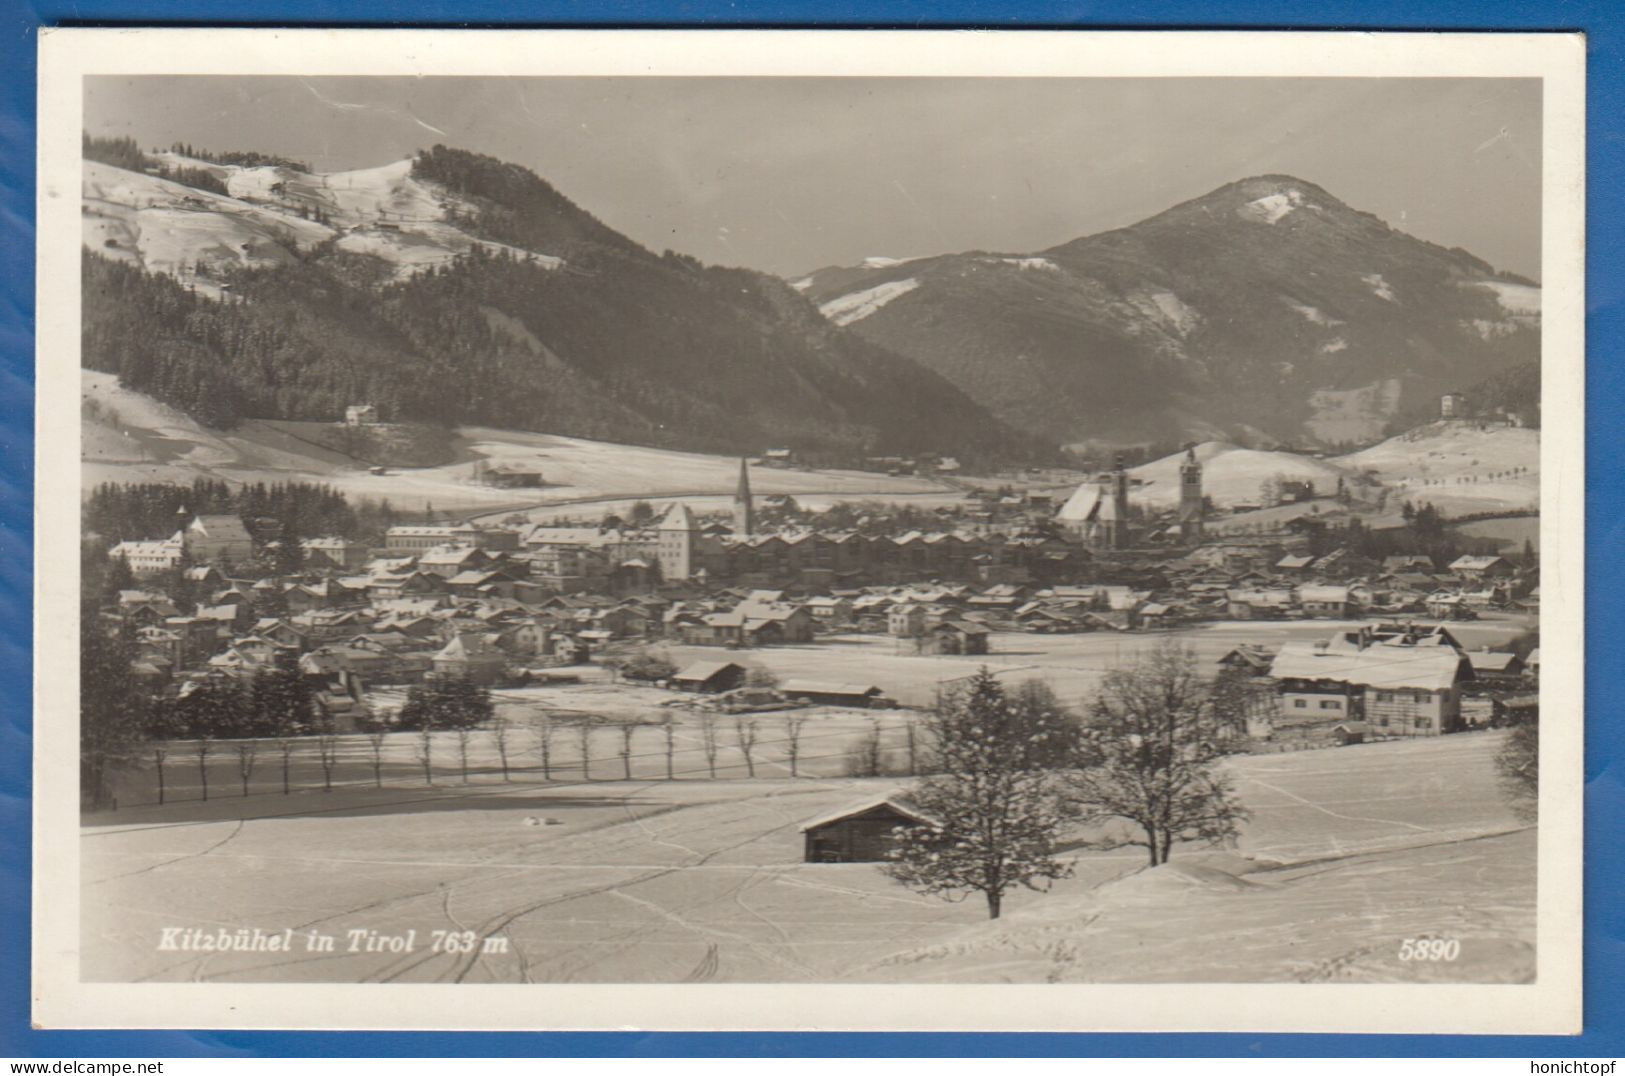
(129, 437)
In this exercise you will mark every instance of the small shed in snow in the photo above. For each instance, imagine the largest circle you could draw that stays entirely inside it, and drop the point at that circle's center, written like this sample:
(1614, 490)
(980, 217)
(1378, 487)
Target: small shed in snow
(861, 833)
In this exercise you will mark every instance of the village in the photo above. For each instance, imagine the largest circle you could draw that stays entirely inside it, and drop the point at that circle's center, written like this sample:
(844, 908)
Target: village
(699, 737)
(619, 623)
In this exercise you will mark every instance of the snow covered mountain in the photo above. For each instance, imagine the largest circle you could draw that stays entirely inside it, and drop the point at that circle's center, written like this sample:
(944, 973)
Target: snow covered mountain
(1266, 309)
(458, 289)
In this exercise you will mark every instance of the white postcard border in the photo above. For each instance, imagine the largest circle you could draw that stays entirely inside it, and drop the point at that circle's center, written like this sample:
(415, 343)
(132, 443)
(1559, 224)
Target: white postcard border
(1550, 1005)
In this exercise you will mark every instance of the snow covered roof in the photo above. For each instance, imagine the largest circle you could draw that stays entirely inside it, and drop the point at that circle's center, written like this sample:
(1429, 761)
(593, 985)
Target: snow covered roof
(677, 518)
(469, 648)
(1384, 667)
(701, 671)
(819, 687)
(893, 800)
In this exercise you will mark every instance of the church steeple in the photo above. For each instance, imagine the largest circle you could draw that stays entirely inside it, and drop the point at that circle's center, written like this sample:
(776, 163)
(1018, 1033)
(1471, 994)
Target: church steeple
(1192, 507)
(744, 509)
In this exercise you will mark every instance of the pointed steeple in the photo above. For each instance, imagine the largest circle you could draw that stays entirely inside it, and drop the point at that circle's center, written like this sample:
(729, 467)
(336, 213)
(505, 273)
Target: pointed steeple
(744, 509)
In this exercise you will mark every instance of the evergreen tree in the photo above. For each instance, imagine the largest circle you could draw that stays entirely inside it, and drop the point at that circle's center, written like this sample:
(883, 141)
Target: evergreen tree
(281, 699)
(446, 702)
(111, 711)
(1517, 765)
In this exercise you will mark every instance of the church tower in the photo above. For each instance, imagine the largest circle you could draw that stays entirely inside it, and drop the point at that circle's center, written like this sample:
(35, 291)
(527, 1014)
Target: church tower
(744, 510)
(677, 543)
(1111, 515)
(1192, 509)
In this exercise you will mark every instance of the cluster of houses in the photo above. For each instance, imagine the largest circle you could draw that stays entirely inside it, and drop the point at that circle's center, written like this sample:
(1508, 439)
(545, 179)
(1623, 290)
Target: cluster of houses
(493, 601)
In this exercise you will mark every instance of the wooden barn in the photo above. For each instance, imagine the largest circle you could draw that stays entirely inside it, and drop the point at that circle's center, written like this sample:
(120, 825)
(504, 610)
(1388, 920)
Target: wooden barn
(863, 696)
(860, 833)
(709, 677)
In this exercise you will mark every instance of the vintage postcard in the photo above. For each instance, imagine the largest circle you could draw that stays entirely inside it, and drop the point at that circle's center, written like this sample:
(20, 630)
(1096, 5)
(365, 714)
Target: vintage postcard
(809, 530)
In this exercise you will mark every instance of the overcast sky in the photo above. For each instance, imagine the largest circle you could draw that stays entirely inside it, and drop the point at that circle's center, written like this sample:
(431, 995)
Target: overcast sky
(788, 175)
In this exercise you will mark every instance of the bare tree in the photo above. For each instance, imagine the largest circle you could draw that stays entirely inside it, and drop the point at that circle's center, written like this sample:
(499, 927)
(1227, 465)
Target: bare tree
(286, 742)
(160, 751)
(793, 724)
(202, 748)
(246, 750)
(327, 751)
(628, 728)
(542, 734)
(376, 738)
(864, 757)
(465, 734)
(912, 746)
(1156, 733)
(499, 738)
(745, 736)
(584, 742)
(669, 727)
(425, 751)
(708, 742)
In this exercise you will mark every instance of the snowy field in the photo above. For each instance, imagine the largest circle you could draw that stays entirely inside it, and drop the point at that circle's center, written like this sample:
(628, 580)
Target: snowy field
(1349, 851)
(138, 439)
(1071, 664)
(1457, 467)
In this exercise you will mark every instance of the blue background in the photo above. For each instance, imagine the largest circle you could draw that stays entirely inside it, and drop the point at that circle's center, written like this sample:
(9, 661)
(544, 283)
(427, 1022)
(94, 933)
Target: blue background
(1605, 870)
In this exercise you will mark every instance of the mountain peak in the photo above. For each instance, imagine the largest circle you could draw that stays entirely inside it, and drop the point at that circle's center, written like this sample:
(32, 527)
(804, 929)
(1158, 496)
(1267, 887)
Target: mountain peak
(1264, 309)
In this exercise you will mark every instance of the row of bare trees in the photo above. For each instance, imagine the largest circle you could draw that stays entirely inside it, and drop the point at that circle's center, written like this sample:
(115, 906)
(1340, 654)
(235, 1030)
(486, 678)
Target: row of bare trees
(514, 744)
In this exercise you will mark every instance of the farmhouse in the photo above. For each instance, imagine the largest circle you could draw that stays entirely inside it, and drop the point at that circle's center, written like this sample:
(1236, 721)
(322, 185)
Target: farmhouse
(1326, 601)
(1496, 667)
(955, 637)
(150, 558)
(1258, 604)
(862, 833)
(471, 656)
(709, 677)
(1490, 567)
(827, 694)
(1398, 689)
(512, 474)
(342, 553)
(217, 538)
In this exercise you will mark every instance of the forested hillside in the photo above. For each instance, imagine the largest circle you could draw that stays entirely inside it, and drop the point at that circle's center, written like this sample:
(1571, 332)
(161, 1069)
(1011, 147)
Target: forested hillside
(567, 327)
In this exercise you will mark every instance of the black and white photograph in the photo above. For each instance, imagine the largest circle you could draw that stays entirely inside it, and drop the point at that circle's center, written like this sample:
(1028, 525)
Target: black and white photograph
(1078, 524)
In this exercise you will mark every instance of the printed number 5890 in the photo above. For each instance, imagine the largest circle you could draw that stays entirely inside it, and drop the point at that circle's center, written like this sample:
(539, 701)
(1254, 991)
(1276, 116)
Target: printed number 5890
(1430, 949)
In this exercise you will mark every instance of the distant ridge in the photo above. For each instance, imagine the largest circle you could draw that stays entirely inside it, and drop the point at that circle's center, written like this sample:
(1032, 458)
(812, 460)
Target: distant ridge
(1264, 310)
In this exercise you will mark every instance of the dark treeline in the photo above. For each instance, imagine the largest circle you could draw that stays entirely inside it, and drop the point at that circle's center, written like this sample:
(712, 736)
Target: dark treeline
(131, 511)
(1425, 532)
(124, 153)
(616, 344)
(240, 158)
(631, 348)
(514, 205)
(1516, 388)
